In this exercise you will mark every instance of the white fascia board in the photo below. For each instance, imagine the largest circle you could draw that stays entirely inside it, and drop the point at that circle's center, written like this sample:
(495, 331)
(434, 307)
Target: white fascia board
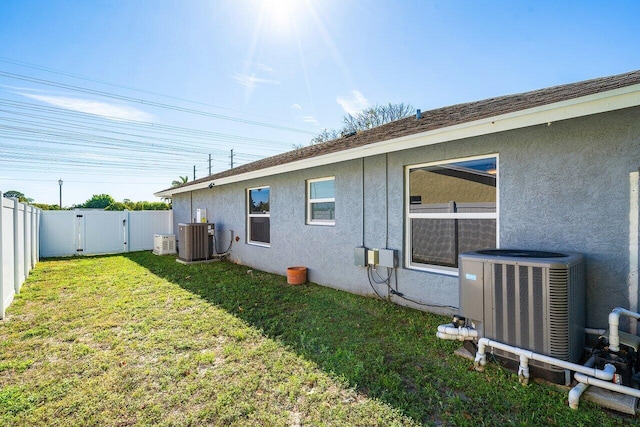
(170, 192)
(592, 104)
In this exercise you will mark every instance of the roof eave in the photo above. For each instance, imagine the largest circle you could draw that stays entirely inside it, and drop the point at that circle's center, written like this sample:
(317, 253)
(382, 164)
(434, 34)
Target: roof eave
(601, 102)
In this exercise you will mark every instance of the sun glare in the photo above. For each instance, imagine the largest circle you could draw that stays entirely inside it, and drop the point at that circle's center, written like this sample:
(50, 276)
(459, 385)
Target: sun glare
(280, 15)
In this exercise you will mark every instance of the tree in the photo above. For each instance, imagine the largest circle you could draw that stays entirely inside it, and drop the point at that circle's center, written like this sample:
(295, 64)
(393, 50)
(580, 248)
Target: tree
(46, 207)
(138, 206)
(98, 201)
(18, 195)
(376, 116)
(181, 180)
(325, 135)
(116, 206)
(366, 119)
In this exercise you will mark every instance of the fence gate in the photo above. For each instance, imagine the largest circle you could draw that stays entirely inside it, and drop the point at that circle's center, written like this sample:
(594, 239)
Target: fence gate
(101, 232)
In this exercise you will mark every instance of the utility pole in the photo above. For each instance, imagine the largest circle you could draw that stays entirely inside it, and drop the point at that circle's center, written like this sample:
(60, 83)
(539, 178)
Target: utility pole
(209, 164)
(232, 158)
(194, 172)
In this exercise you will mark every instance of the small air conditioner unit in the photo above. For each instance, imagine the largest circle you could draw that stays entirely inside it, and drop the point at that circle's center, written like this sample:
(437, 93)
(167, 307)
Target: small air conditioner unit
(194, 241)
(528, 299)
(164, 244)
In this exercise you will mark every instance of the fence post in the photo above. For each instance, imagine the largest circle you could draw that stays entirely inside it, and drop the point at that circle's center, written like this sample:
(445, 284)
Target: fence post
(37, 227)
(34, 237)
(16, 245)
(26, 247)
(127, 242)
(2, 297)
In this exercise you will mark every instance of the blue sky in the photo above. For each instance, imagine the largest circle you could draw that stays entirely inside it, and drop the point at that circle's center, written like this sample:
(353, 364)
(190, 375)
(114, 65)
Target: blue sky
(122, 97)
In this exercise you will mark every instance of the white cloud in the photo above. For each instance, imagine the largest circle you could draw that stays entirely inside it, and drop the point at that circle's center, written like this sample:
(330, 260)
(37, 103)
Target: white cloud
(310, 119)
(111, 111)
(263, 67)
(296, 107)
(354, 103)
(251, 81)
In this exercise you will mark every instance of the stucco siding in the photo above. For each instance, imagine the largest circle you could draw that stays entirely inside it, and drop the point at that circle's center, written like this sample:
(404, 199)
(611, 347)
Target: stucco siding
(572, 193)
(561, 187)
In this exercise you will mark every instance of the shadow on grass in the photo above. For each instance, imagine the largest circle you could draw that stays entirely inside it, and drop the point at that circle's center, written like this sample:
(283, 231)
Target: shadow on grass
(383, 350)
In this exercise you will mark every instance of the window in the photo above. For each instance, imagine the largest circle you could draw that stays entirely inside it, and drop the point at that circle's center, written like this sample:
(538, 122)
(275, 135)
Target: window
(258, 216)
(451, 209)
(321, 201)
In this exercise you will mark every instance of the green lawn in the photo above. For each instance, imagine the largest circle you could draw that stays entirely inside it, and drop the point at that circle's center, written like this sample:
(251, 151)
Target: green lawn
(139, 339)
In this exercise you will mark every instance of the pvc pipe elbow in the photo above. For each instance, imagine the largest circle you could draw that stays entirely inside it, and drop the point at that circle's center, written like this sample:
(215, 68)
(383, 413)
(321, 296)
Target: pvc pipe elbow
(574, 395)
(480, 362)
(614, 316)
(607, 373)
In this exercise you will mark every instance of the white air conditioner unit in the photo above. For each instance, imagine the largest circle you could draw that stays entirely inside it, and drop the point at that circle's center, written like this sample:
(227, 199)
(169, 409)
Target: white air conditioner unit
(164, 244)
(528, 299)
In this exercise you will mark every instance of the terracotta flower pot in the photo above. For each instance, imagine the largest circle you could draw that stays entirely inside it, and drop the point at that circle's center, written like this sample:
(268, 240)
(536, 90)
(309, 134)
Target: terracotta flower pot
(296, 275)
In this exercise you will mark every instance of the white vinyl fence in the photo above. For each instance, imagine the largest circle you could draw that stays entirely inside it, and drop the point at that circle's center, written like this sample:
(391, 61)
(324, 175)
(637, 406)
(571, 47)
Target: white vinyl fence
(19, 248)
(93, 232)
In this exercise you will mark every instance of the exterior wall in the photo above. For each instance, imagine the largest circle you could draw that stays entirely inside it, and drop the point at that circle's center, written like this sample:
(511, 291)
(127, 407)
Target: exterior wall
(562, 187)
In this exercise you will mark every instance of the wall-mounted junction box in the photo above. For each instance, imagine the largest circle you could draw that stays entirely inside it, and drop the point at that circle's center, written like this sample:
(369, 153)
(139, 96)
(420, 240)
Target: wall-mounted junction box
(388, 258)
(201, 215)
(372, 256)
(363, 257)
(360, 256)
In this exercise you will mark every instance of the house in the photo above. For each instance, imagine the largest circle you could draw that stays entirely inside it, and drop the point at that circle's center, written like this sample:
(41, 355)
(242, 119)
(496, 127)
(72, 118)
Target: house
(554, 169)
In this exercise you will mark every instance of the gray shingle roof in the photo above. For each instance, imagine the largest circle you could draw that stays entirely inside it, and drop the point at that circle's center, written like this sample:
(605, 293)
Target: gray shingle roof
(437, 119)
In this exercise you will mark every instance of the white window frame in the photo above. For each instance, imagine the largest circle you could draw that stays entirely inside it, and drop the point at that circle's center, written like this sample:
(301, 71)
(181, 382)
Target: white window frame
(257, 215)
(311, 201)
(440, 269)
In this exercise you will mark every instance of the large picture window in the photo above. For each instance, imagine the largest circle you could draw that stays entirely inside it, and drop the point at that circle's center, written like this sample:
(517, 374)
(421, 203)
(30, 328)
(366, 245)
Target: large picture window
(451, 209)
(321, 201)
(258, 216)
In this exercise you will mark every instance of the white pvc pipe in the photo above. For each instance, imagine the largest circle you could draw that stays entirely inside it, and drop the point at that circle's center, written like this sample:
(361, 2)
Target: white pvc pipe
(585, 379)
(525, 355)
(450, 332)
(576, 392)
(594, 331)
(450, 337)
(614, 321)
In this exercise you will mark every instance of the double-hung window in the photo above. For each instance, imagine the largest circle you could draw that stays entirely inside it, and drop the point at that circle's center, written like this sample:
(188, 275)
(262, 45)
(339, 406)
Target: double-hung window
(258, 216)
(451, 209)
(321, 201)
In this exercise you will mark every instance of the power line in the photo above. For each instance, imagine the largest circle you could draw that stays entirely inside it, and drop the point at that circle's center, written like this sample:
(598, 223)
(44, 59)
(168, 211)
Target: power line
(103, 82)
(51, 137)
(120, 123)
(150, 103)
